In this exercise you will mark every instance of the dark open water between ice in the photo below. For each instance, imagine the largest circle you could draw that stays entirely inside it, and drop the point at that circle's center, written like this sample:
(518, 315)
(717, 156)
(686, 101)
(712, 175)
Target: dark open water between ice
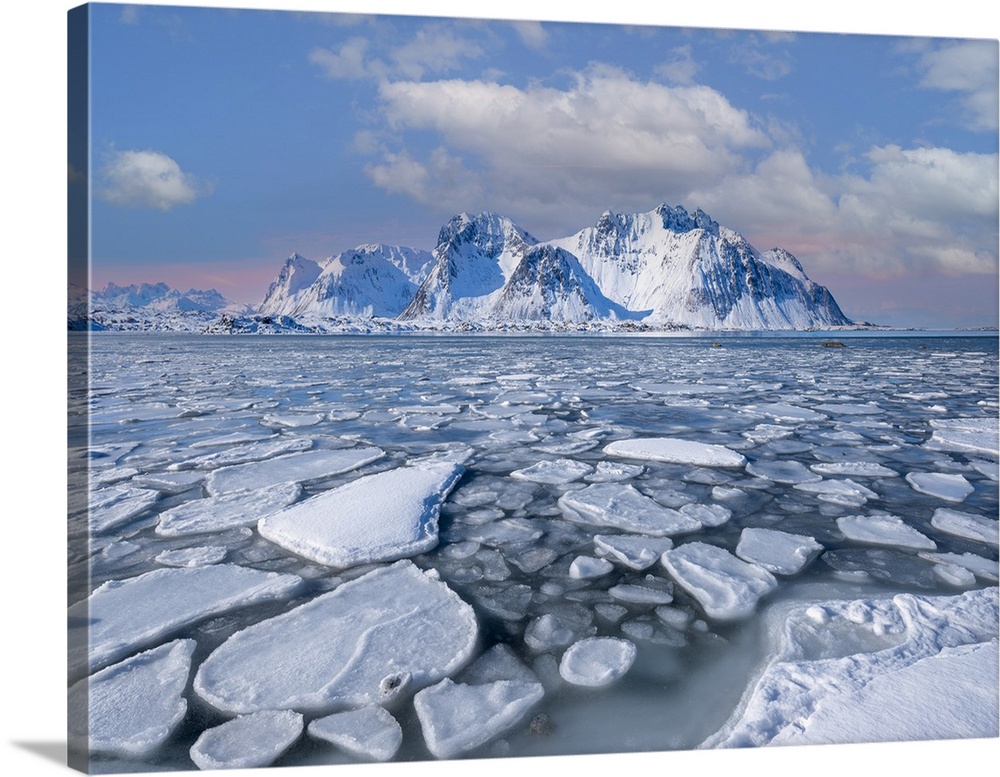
(159, 401)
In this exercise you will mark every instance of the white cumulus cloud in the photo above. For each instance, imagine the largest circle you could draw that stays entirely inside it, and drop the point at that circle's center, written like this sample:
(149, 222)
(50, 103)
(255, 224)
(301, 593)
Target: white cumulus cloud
(969, 68)
(146, 179)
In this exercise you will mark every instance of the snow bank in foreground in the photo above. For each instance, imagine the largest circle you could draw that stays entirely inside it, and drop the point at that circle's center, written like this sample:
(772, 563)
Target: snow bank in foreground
(906, 668)
(350, 647)
(381, 517)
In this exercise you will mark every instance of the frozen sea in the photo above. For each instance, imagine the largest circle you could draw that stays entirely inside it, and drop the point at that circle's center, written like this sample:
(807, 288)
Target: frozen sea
(633, 540)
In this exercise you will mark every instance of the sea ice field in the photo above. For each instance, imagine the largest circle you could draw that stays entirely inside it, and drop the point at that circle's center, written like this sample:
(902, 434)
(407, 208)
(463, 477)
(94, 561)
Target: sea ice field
(298, 550)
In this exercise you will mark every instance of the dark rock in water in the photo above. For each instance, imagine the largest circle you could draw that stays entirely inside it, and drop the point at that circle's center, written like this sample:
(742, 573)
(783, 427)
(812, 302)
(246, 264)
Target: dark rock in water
(833, 344)
(541, 725)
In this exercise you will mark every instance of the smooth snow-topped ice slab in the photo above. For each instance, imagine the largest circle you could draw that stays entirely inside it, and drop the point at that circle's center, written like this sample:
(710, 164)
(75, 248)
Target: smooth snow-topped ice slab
(130, 709)
(782, 471)
(777, 551)
(635, 551)
(293, 468)
(906, 668)
(368, 732)
(623, 507)
(784, 412)
(125, 615)
(336, 650)
(556, 473)
(597, 661)
(247, 742)
(457, 718)
(981, 435)
(726, 587)
(857, 469)
(972, 527)
(242, 454)
(381, 517)
(676, 451)
(219, 513)
(883, 529)
(952, 488)
(587, 567)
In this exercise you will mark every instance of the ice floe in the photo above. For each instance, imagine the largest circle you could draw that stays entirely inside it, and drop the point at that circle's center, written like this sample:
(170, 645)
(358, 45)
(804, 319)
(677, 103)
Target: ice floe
(381, 517)
(979, 566)
(114, 506)
(782, 471)
(126, 615)
(293, 468)
(777, 551)
(192, 557)
(675, 451)
(369, 732)
(335, 650)
(131, 708)
(635, 551)
(840, 492)
(597, 661)
(248, 741)
(857, 469)
(456, 718)
(587, 567)
(726, 587)
(882, 529)
(975, 434)
(979, 528)
(905, 668)
(556, 473)
(950, 487)
(623, 507)
(219, 513)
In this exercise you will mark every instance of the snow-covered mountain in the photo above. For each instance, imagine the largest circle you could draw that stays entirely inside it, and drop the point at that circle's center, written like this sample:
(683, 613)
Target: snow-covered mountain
(474, 259)
(669, 266)
(150, 306)
(371, 280)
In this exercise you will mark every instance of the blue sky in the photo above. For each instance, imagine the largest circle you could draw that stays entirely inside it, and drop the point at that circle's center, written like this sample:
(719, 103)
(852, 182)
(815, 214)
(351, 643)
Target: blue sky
(223, 140)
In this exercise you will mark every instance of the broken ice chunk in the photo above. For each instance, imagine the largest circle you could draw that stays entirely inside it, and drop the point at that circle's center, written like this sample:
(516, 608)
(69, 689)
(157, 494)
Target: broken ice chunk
(977, 434)
(335, 650)
(457, 718)
(726, 587)
(881, 529)
(841, 492)
(672, 450)
(219, 513)
(623, 507)
(124, 615)
(587, 567)
(610, 471)
(952, 488)
(295, 467)
(972, 527)
(867, 469)
(248, 741)
(368, 732)
(112, 507)
(556, 473)
(779, 552)
(131, 708)
(635, 551)
(192, 557)
(381, 517)
(595, 662)
(979, 566)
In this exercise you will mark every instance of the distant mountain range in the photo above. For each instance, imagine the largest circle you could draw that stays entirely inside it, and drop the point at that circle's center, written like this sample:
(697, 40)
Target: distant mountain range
(665, 269)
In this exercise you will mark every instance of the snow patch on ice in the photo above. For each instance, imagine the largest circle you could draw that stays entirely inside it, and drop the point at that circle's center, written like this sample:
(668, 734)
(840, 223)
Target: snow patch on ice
(369, 732)
(676, 451)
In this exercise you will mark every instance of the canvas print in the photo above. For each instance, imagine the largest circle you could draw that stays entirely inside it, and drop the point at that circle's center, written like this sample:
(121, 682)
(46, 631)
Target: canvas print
(463, 388)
